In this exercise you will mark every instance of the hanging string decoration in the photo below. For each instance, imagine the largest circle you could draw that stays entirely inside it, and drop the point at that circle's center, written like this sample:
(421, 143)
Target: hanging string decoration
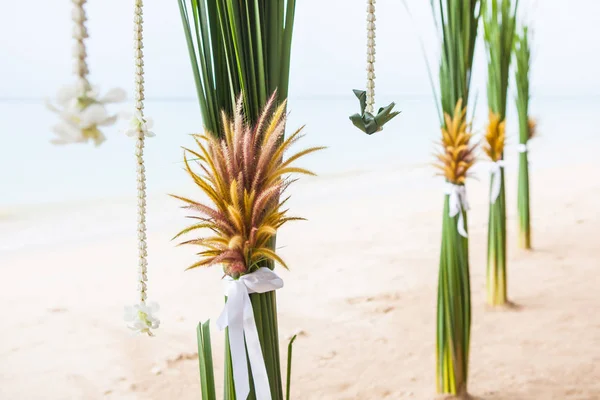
(81, 109)
(141, 316)
(366, 120)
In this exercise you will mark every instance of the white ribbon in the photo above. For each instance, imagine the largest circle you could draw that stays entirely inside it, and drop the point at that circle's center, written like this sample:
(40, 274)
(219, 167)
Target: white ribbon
(522, 148)
(457, 204)
(239, 317)
(496, 175)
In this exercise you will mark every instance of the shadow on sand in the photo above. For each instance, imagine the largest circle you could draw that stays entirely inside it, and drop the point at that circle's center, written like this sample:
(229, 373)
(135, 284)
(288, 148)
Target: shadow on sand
(509, 306)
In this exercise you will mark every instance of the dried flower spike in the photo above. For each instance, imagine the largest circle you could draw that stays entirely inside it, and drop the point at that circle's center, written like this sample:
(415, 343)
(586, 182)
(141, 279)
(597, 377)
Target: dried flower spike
(457, 154)
(495, 137)
(245, 176)
(532, 128)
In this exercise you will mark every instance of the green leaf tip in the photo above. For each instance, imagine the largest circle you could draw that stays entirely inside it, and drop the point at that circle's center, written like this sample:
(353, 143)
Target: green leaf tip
(289, 368)
(207, 376)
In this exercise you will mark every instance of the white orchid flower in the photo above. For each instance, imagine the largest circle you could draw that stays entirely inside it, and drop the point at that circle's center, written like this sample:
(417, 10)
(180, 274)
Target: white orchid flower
(140, 318)
(68, 132)
(82, 111)
(139, 123)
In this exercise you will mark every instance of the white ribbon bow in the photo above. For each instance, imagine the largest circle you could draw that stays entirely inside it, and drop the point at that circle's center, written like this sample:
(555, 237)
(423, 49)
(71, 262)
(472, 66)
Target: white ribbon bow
(522, 148)
(496, 175)
(239, 317)
(458, 204)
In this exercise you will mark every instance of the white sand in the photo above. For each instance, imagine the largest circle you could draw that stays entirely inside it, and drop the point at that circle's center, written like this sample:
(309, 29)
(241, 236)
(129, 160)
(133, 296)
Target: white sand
(362, 289)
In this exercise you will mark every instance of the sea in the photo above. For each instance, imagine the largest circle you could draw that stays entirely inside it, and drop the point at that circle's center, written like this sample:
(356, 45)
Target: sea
(34, 171)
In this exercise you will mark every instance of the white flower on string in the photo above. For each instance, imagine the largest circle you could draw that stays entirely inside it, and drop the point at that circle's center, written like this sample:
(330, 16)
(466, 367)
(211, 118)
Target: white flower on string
(79, 106)
(141, 317)
(139, 123)
(82, 112)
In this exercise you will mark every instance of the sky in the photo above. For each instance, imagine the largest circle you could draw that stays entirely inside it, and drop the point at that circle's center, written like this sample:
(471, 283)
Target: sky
(328, 55)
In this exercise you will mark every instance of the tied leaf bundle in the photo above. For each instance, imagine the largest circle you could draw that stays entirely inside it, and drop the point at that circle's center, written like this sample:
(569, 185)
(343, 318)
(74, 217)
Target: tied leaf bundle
(499, 18)
(242, 47)
(245, 176)
(522, 52)
(367, 122)
(457, 21)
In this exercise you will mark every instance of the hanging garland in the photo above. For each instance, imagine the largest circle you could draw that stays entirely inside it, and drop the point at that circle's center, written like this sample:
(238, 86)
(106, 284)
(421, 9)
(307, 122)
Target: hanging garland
(82, 111)
(366, 121)
(140, 317)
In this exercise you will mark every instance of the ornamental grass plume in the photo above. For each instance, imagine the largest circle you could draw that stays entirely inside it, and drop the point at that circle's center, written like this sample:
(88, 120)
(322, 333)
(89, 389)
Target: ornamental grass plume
(495, 136)
(499, 21)
(244, 172)
(456, 154)
(245, 176)
(531, 128)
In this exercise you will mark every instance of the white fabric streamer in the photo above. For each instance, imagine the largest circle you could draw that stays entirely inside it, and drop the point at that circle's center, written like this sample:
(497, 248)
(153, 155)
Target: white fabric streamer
(522, 148)
(239, 317)
(458, 204)
(496, 177)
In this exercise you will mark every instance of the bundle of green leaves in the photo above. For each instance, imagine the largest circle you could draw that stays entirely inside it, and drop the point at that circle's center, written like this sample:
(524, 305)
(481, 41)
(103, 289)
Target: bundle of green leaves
(522, 55)
(457, 22)
(499, 21)
(242, 48)
(244, 173)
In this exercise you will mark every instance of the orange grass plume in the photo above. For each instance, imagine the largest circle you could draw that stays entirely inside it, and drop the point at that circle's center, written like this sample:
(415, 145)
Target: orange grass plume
(244, 173)
(495, 137)
(456, 155)
(531, 128)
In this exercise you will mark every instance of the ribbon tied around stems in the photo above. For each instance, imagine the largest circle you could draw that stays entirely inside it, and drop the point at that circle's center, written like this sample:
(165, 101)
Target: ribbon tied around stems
(239, 317)
(496, 177)
(522, 148)
(458, 204)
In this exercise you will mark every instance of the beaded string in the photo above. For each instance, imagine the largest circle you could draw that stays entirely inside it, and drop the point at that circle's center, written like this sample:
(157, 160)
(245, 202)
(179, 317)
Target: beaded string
(140, 316)
(139, 151)
(80, 33)
(370, 55)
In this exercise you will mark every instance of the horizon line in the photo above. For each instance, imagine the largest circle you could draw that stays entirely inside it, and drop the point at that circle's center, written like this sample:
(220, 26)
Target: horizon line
(177, 99)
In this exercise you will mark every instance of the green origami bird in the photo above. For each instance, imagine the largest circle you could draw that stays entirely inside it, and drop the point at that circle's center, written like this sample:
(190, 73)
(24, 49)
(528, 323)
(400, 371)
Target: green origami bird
(367, 122)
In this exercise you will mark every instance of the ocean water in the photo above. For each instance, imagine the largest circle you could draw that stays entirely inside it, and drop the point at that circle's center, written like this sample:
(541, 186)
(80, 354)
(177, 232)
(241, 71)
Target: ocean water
(33, 171)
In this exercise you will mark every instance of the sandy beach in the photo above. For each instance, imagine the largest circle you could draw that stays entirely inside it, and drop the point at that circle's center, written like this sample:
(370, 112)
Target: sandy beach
(361, 291)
